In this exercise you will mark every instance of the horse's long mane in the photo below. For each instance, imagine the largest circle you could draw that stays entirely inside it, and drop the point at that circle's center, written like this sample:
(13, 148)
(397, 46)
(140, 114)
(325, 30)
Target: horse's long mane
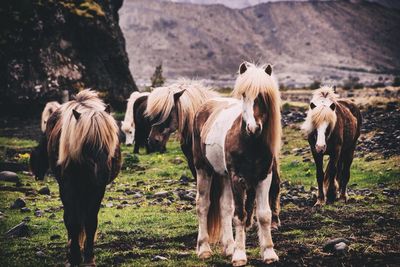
(47, 111)
(161, 101)
(128, 121)
(95, 128)
(321, 113)
(254, 82)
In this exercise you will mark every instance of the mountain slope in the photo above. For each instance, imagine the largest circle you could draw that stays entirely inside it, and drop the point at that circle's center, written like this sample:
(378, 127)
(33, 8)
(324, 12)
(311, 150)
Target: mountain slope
(304, 40)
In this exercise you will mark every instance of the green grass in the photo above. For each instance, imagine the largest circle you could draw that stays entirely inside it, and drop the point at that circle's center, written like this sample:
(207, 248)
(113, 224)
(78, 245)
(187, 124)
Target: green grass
(133, 235)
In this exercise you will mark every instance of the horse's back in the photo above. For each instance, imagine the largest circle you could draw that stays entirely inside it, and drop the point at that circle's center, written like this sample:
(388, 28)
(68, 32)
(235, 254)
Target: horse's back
(354, 110)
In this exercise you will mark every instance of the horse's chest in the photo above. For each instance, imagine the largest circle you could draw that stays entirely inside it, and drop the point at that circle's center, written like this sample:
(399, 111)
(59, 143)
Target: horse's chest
(215, 140)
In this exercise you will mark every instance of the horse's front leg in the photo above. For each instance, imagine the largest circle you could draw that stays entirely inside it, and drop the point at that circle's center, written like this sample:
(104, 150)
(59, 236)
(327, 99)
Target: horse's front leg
(330, 181)
(264, 218)
(202, 207)
(318, 159)
(226, 204)
(239, 257)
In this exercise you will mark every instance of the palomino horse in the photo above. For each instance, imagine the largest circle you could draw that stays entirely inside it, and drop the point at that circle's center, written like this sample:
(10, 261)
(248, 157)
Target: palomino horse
(236, 144)
(47, 111)
(333, 127)
(83, 151)
(128, 124)
(173, 108)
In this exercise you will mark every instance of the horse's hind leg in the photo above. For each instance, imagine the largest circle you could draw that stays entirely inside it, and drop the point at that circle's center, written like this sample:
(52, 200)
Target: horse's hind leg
(264, 218)
(90, 228)
(74, 231)
(274, 197)
(239, 257)
(226, 204)
(202, 207)
(345, 175)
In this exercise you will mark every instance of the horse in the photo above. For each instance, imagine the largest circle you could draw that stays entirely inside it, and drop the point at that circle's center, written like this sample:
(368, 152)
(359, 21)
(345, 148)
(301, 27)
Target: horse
(236, 144)
(82, 147)
(173, 108)
(143, 127)
(47, 111)
(333, 127)
(128, 124)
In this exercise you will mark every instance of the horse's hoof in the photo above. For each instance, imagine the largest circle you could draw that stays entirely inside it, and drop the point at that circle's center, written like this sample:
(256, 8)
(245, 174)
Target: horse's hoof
(228, 250)
(270, 256)
(239, 258)
(89, 263)
(205, 255)
(319, 203)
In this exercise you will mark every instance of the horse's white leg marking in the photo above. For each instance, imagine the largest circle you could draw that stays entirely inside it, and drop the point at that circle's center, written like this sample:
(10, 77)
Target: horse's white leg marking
(320, 146)
(239, 257)
(202, 206)
(264, 216)
(226, 204)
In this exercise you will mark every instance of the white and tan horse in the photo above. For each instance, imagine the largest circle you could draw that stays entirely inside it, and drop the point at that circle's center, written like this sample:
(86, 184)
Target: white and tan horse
(128, 124)
(47, 111)
(236, 142)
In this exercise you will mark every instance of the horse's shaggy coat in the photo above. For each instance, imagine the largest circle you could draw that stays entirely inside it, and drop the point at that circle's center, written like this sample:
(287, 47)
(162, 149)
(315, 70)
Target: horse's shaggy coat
(82, 148)
(173, 108)
(236, 145)
(333, 127)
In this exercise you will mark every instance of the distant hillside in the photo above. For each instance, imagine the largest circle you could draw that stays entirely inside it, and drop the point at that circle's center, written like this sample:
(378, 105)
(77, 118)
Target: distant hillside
(305, 41)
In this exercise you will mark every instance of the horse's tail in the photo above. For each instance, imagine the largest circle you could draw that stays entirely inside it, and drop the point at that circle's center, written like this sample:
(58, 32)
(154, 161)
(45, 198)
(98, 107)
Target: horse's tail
(214, 212)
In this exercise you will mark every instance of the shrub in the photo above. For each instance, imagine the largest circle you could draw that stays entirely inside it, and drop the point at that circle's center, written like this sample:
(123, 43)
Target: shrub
(315, 85)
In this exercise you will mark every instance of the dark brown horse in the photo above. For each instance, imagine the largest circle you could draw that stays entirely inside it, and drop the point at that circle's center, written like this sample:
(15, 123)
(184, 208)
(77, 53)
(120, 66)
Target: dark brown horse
(81, 143)
(333, 127)
(236, 143)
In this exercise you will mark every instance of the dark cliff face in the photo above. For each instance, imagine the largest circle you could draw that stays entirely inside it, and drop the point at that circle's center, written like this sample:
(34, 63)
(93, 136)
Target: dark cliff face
(49, 46)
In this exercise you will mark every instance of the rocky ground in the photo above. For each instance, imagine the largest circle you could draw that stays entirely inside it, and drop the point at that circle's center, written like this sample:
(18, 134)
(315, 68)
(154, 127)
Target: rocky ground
(148, 214)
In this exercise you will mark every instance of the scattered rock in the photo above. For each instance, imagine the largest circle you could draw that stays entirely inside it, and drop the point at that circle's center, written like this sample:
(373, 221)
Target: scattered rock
(137, 195)
(54, 237)
(44, 191)
(25, 209)
(184, 180)
(31, 192)
(20, 230)
(52, 216)
(38, 213)
(40, 254)
(8, 176)
(329, 246)
(109, 205)
(161, 194)
(380, 221)
(341, 248)
(177, 160)
(159, 258)
(18, 203)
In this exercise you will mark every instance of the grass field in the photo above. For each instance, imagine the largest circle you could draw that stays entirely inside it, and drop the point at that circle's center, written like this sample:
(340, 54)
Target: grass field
(136, 224)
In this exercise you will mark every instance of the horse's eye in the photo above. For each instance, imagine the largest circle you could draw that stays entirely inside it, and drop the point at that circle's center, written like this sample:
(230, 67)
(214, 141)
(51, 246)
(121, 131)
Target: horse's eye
(45, 122)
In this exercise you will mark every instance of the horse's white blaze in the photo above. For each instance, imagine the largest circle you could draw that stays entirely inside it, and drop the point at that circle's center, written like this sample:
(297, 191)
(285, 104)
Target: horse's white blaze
(215, 140)
(248, 115)
(264, 217)
(321, 143)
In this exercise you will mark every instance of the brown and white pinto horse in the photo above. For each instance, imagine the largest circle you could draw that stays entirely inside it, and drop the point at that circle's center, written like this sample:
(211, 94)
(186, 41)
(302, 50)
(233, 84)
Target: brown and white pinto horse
(47, 111)
(236, 144)
(83, 151)
(173, 108)
(333, 127)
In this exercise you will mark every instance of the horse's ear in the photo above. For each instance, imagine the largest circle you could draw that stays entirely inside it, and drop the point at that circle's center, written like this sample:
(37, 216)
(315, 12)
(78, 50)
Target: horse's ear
(333, 106)
(108, 109)
(77, 115)
(268, 70)
(242, 68)
(334, 89)
(312, 105)
(178, 95)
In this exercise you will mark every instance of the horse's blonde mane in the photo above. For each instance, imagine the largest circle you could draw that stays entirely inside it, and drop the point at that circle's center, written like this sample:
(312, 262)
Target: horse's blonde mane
(161, 101)
(321, 113)
(95, 128)
(129, 122)
(254, 82)
(47, 111)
